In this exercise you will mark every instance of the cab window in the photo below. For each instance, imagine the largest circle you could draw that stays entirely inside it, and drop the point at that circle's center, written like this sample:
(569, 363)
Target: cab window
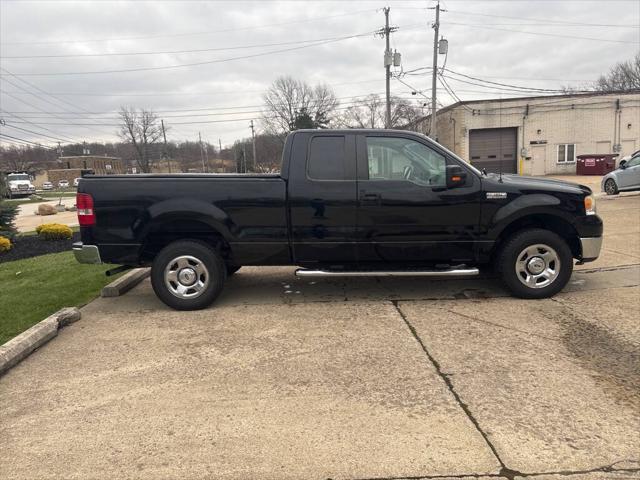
(392, 158)
(327, 159)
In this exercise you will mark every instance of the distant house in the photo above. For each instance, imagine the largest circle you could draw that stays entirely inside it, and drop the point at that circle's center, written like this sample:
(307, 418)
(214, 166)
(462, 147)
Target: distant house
(538, 135)
(68, 168)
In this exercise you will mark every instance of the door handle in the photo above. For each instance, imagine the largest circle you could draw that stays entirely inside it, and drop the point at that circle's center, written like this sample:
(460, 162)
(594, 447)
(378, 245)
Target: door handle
(370, 197)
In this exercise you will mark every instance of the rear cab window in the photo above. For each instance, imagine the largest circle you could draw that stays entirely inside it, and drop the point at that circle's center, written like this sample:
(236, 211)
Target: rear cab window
(327, 158)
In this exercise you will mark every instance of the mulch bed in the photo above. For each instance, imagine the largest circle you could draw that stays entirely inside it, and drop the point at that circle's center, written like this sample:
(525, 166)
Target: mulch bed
(32, 246)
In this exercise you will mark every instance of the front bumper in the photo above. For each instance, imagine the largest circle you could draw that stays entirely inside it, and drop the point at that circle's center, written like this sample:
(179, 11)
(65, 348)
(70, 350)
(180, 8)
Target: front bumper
(86, 253)
(591, 247)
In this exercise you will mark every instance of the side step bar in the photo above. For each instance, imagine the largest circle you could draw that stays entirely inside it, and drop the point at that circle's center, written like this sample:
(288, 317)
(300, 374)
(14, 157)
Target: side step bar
(454, 272)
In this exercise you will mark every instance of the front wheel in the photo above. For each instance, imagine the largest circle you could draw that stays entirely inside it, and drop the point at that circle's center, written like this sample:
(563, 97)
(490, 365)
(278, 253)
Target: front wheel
(610, 187)
(535, 263)
(188, 275)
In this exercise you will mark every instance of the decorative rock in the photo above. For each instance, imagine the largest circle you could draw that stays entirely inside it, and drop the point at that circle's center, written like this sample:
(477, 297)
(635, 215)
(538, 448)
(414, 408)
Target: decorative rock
(46, 209)
(60, 208)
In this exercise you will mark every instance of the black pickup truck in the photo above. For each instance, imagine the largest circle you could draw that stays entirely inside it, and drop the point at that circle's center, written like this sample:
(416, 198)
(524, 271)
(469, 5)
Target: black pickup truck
(346, 203)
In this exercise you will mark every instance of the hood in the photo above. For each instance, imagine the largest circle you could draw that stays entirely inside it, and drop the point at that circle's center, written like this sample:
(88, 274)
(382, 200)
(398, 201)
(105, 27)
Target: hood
(19, 182)
(536, 183)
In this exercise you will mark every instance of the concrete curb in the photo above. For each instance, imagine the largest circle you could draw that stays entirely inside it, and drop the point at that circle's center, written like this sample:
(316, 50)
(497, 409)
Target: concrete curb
(18, 348)
(125, 283)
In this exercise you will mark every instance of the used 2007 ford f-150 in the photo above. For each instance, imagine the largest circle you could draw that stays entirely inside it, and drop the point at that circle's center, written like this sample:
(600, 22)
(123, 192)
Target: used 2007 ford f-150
(347, 202)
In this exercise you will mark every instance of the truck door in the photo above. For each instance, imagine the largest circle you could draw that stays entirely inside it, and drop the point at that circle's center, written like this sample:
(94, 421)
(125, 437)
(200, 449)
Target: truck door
(322, 198)
(406, 213)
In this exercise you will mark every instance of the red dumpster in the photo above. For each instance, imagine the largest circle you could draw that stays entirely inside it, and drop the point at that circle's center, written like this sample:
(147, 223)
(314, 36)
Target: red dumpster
(595, 163)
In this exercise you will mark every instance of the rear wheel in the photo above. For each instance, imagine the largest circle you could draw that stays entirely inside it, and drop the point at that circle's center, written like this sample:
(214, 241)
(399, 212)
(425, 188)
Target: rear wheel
(610, 187)
(188, 275)
(535, 263)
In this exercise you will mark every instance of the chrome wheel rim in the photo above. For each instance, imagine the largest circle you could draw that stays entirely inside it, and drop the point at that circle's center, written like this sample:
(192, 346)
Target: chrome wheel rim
(610, 187)
(537, 266)
(186, 277)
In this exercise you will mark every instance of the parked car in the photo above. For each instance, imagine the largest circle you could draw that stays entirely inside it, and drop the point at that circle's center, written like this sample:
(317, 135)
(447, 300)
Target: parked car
(63, 184)
(76, 181)
(346, 203)
(47, 186)
(625, 178)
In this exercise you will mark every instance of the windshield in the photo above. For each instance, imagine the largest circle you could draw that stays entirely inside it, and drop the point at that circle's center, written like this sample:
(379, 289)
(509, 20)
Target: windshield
(14, 177)
(466, 164)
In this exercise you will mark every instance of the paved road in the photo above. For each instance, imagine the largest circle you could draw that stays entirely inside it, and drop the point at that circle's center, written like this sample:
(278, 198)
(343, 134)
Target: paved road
(355, 378)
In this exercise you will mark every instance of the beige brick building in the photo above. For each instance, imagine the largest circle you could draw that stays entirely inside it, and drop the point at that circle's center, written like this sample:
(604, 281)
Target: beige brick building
(539, 135)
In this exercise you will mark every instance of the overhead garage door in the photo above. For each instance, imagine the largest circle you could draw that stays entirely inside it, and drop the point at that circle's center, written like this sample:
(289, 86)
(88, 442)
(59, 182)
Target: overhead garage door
(493, 149)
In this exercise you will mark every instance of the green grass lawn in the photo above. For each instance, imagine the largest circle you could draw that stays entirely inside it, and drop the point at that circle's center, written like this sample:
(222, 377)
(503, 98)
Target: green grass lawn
(46, 197)
(34, 288)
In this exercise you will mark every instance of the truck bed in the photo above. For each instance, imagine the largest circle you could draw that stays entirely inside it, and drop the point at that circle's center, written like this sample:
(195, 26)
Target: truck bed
(249, 210)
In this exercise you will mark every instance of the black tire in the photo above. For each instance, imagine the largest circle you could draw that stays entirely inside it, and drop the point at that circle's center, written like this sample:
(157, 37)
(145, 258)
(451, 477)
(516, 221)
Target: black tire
(207, 271)
(231, 269)
(610, 187)
(526, 283)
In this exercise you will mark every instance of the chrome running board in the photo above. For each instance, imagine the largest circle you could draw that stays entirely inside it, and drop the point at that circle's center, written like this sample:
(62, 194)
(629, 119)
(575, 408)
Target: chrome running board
(454, 272)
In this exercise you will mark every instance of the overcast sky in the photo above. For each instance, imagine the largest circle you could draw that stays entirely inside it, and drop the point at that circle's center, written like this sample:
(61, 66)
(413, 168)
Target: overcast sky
(569, 43)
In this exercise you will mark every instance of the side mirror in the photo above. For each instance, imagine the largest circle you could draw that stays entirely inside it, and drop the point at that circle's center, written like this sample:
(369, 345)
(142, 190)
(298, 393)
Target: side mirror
(623, 164)
(456, 176)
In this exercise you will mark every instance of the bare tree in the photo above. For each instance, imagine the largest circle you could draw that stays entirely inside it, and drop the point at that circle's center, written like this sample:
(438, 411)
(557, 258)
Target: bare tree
(26, 158)
(369, 112)
(292, 103)
(141, 129)
(622, 76)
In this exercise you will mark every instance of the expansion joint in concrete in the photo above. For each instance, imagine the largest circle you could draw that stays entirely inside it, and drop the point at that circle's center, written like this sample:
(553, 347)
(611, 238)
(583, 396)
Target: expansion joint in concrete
(505, 471)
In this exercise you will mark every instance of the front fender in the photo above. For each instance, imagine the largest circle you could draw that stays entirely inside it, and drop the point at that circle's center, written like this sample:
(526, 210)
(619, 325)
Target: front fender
(534, 204)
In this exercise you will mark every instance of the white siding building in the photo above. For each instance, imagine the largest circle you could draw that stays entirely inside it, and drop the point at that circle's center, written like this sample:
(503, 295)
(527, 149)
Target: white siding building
(539, 135)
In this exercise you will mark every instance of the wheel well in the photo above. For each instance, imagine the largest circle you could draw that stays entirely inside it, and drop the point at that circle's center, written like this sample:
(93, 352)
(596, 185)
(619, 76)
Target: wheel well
(547, 222)
(165, 233)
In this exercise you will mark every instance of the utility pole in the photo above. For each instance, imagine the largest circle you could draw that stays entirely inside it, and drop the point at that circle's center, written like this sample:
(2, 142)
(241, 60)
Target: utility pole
(220, 154)
(434, 73)
(387, 67)
(164, 135)
(389, 59)
(201, 152)
(253, 138)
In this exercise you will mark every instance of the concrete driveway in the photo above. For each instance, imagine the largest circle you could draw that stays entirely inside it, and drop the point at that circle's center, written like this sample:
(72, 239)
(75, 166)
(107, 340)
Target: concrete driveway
(355, 378)
(27, 220)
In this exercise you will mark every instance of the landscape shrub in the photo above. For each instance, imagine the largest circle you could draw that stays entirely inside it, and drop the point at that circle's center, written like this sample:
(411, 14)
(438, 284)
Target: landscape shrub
(5, 244)
(54, 231)
(8, 214)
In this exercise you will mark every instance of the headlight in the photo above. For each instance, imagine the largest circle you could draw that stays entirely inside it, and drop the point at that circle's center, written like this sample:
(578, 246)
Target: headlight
(590, 205)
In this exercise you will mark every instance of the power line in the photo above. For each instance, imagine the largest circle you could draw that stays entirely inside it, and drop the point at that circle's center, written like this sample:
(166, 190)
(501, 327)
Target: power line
(192, 94)
(28, 142)
(8, 125)
(38, 89)
(545, 21)
(189, 34)
(168, 52)
(214, 109)
(535, 89)
(543, 33)
(194, 64)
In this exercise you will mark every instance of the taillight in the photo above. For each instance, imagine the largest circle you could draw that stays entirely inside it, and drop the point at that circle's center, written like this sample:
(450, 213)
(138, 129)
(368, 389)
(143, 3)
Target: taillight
(86, 215)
